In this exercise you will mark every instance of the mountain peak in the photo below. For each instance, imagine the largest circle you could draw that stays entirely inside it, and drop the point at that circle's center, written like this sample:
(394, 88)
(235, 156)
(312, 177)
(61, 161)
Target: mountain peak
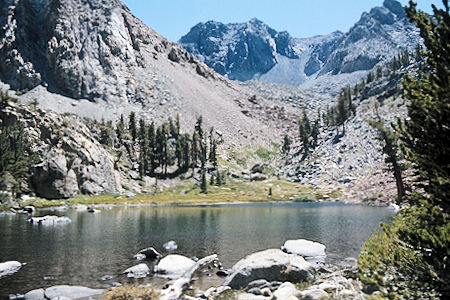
(395, 7)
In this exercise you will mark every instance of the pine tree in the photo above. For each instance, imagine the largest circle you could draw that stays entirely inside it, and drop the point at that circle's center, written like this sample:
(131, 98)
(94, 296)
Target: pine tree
(203, 184)
(426, 135)
(315, 133)
(16, 156)
(132, 126)
(151, 148)
(414, 250)
(389, 140)
(286, 144)
(120, 128)
(379, 72)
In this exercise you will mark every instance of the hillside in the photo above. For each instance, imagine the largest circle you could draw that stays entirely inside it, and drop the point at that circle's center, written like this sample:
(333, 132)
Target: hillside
(95, 59)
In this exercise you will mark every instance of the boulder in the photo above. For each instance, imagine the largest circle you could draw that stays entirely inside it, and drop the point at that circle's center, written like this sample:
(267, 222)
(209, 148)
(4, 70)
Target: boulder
(139, 256)
(138, 271)
(38, 294)
(314, 294)
(71, 292)
(305, 248)
(170, 246)
(258, 177)
(271, 265)
(49, 220)
(286, 291)
(53, 180)
(149, 253)
(174, 265)
(9, 267)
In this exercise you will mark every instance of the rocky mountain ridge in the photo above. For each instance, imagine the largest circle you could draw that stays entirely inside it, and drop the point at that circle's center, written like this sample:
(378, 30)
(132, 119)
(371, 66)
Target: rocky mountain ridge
(96, 59)
(253, 50)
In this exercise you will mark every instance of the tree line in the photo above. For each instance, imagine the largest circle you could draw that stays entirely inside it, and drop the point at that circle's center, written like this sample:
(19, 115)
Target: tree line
(164, 151)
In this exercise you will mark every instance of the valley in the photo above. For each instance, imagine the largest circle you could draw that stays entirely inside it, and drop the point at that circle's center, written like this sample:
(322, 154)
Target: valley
(235, 139)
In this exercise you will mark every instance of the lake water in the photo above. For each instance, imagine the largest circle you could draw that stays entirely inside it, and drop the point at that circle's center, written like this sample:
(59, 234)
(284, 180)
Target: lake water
(94, 245)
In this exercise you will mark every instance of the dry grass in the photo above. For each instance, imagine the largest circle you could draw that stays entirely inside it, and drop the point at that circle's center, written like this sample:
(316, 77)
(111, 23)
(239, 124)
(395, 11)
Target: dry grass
(189, 193)
(130, 292)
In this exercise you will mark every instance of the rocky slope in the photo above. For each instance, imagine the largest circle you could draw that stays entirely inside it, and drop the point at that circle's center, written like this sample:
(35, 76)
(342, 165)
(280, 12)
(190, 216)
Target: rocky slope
(352, 162)
(96, 59)
(253, 50)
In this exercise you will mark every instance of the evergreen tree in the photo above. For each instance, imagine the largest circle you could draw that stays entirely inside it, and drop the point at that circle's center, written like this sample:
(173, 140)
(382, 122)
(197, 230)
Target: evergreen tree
(151, 149)
(120, 128)
(212, 149)
(305, 133)
(389, 141)
(203, 184)
(16, 155)
(370, 77)
(414, 250)
(315, 133)
(286, 144)
(379, 72)
(132, 125)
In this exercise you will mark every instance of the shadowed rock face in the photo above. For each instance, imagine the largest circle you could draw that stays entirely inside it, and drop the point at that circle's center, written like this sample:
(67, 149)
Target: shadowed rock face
(244, 51)
(84, 49)
(238, 50)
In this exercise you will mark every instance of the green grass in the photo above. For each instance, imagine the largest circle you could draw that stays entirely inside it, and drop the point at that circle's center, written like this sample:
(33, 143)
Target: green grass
(190, 193)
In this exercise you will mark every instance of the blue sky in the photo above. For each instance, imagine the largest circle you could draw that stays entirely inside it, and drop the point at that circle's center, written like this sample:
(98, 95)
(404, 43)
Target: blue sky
(301, 18)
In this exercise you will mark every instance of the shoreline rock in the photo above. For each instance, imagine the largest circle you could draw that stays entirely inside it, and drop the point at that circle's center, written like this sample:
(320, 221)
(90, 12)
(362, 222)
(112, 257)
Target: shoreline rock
(49, 220)
(174, 265)
(307, 249)
(271, 265)
(9, 268)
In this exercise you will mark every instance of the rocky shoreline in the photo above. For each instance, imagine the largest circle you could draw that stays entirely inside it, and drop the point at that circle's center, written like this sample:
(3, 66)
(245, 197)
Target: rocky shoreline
(297, 270)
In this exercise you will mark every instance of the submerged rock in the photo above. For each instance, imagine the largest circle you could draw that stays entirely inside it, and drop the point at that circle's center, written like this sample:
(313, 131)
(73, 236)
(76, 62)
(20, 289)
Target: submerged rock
(271, 265)
(174, 265)
(149, 253)
(305, 248)
(71, 292)
(49, 220)
(170, 246)
(138, 271)
(9, 267)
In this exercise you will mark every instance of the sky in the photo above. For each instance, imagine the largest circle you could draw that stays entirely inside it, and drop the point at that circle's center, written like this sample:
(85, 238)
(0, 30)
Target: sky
(301, 18)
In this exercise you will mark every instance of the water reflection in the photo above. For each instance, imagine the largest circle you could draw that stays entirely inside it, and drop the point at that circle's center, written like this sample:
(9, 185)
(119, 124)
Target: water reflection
(94, 245)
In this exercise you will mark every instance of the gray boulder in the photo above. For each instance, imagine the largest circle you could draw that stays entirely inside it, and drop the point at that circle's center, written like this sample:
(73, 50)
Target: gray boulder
(138, 271)
(174, 265)
(53, 180)
(170, 246)
(49, 220)
(71, 292)
(271, 265)
(38, 294)
(314, 294)
(305, 248)
(9, 267)
(286, 291)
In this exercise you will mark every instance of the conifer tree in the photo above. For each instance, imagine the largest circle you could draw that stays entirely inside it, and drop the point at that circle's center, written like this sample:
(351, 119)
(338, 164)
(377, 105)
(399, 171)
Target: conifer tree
(286, 144)
(204, 184)
(120, 128)
(16, 155)
(132, 125)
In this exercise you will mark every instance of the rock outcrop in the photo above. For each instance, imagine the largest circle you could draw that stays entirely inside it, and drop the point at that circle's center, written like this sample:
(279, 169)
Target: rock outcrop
(138, 271)
(271, 265)
(174, 265)
(9, 267)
